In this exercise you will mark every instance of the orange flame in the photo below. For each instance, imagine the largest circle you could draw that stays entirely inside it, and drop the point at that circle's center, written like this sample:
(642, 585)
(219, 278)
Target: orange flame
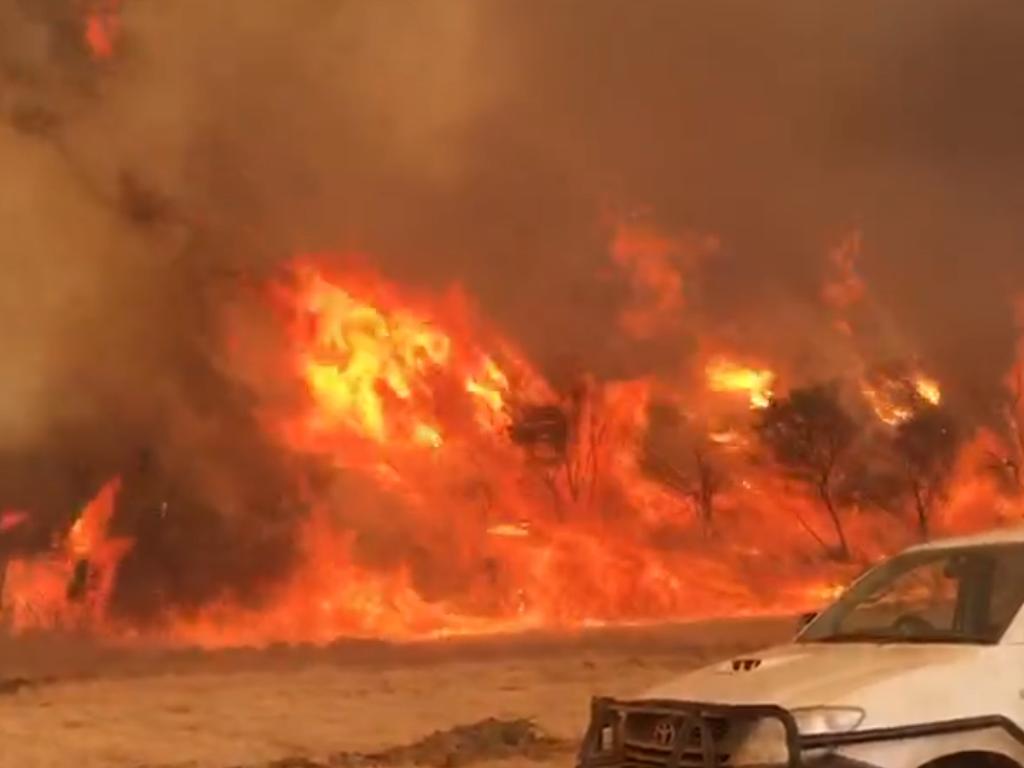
(377, 371)
(11, 519)
(928, 389)
(360, 358)
(846, 288)
(647, 258)
(102, 27)
(403, 392)
(438, 522)
(71, 586)
(896, 400)
(724, 375)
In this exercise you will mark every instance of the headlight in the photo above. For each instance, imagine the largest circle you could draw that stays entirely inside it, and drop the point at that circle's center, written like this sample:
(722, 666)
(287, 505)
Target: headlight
(764, 744)
(813, 721)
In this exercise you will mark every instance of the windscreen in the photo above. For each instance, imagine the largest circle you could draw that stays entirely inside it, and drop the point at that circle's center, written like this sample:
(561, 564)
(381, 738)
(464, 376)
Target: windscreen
(962, 595)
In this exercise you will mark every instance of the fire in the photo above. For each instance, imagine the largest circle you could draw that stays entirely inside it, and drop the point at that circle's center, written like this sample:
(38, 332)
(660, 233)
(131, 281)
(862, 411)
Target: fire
(724, 375)
(70, 586)
(845, 288)
(654, 266)
(489, 386)
(726, 437)
(647, 258)
(928, 389)
(510, 530)
(550, 528)
(11, 519)
(437, 480)
(895, 399)
(102, 27)
(465, 493)
(372, 370)
(888, 411)
(824, 593)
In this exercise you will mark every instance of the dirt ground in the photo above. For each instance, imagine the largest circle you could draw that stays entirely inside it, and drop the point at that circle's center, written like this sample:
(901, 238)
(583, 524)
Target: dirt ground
(66, 703)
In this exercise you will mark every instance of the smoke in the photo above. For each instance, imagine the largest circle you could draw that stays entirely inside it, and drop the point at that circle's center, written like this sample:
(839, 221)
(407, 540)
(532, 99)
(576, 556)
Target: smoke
(474, 141)
(479, 143)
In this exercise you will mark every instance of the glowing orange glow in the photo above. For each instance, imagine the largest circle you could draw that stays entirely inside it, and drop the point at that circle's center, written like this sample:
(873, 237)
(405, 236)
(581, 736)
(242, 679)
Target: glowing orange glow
(369, 369)
(886, 409)
(845, 288)
(724, 375)
(895, 400)
(71, 586)
(11, 519)
(419, 404)
(461, 492)
(654, 265)
(510, 530)
(928, 389)
(647, 258)
(489, 386)
(102, 27)
(726, 437)
(433, 477)
(825, 593)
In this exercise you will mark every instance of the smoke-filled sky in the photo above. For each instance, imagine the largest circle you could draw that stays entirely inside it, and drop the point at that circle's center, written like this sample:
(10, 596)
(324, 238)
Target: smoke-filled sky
(489, 143)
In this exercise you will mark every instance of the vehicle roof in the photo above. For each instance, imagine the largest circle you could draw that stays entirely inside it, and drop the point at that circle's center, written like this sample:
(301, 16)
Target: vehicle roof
(1011, 535)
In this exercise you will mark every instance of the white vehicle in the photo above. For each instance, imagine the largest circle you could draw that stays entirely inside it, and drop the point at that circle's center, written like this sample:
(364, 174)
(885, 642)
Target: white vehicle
(920, 664)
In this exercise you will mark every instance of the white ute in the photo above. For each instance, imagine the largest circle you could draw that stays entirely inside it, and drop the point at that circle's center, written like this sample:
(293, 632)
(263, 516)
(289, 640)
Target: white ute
(920, 664)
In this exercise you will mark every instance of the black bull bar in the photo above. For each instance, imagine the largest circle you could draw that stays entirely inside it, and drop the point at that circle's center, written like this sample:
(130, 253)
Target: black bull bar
(685, 721)
(694, 743)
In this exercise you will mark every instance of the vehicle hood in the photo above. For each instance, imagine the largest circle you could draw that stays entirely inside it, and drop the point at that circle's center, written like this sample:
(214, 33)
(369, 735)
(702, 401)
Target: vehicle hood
(895, 683)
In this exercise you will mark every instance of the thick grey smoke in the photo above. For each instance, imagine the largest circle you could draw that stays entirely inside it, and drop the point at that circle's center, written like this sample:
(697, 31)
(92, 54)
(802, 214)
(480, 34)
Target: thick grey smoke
(472, 140)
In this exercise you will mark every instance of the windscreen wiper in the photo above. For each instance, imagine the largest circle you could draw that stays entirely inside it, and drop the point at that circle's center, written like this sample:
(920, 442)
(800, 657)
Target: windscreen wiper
(858, 637)
(887, 637)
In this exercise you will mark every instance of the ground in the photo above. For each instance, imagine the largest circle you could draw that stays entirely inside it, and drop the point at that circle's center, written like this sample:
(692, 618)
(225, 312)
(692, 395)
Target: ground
(70, 704)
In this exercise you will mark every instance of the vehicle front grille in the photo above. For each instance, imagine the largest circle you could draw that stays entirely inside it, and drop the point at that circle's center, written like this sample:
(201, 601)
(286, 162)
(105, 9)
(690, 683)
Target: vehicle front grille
(649, 738)
(642, 727)
(659, 733)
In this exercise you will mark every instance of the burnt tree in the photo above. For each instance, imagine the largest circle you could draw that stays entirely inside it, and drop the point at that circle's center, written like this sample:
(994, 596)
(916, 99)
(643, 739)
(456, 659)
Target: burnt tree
(707, 482)
(543, 430)
(927, 446)
(677, 454)
(1009, 467)
(809, 434)
(572, 441)
(553, 437)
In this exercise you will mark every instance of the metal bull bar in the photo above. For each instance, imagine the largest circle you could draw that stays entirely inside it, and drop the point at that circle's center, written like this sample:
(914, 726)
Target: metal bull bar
(605, 742)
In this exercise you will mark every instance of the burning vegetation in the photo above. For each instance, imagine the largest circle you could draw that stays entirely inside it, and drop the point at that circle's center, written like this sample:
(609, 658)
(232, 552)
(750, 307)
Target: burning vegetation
(304, 370)
(445, 485)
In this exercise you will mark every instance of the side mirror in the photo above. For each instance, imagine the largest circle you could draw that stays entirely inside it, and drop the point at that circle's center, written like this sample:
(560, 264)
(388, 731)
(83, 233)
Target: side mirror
(805, 619)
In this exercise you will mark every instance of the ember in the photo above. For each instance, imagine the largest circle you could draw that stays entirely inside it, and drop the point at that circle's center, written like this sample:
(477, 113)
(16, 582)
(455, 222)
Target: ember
(102, 27)
(11, 519)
